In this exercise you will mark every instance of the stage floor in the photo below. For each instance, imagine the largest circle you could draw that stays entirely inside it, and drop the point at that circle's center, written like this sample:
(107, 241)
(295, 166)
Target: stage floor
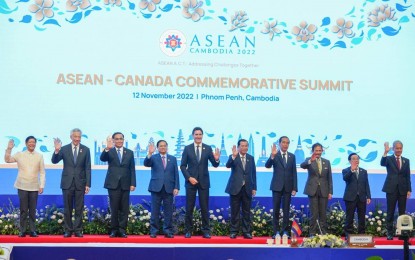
(101, 247)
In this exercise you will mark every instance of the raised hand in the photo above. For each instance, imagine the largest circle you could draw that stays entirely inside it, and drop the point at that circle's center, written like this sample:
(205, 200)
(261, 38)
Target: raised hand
(57, 143)
(234, 151)
(387, 148)
(354, 164)
(274, 150)
(217, 154)
(151, 148)
(10, 145)
(110, 143)
(313, 157)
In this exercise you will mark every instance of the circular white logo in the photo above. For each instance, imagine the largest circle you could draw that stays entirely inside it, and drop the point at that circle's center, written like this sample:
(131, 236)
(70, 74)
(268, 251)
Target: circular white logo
(173, 43)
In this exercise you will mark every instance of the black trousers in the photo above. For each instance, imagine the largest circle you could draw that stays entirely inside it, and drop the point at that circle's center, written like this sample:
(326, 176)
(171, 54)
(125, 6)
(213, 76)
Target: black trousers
(28, 203)
(190, 205)
(391, 200)
(238, 201)
(351, 206)
(73, 197)
(277, 197)
(119, 204)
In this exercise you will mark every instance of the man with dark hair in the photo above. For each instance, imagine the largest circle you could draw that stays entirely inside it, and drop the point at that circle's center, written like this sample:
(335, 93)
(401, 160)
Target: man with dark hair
(76, 180)
(29, 183)
(319, 188)
(164, 184)
(194, 166)
(120, 180)
(397, 184)
(241, 188)
(356, 194)
(283, 183)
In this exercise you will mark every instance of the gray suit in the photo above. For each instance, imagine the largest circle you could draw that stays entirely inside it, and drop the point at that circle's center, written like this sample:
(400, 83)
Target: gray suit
(318, 187)
(75, 177)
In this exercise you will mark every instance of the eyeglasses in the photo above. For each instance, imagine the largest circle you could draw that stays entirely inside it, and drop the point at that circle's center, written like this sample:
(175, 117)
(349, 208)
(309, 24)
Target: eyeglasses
(117, 139)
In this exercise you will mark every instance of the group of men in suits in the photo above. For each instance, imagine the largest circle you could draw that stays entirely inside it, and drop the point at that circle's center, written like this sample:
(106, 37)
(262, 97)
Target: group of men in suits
(242, 185)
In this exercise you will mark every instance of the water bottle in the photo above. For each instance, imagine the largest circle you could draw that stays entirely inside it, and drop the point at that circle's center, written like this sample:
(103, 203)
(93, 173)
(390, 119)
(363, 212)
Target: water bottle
(278, 239)
(285, 239)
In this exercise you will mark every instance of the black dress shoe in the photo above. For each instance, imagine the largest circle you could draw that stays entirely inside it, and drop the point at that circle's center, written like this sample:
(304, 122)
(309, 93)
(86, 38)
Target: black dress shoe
(113, 234)
(33, 234)
(206, 235)
(123, 235)
(233, 236)
(153, 235)
(67, 234)
(79, 234)
(389, 237)
(247, 236)
(169, 235)
(188, 235)
(22, 234)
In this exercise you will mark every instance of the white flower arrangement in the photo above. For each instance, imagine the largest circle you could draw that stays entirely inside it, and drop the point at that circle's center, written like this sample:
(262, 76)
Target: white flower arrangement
(323, 241)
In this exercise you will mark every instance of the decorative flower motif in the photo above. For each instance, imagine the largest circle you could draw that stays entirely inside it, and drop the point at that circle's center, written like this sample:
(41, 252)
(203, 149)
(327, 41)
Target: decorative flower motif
(192, 9)
(381, 14)
(271, 29)
(72, 5)
(305, 32)
(238, 20)
(343, 28)
(150, 5)
(113, 2)
(42, 8)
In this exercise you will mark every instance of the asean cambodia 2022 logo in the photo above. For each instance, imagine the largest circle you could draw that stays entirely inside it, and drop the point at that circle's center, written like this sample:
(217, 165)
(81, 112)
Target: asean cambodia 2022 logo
(173, 43)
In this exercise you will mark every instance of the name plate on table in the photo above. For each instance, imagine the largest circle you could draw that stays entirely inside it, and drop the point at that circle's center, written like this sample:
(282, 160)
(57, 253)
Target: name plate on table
(361, 241)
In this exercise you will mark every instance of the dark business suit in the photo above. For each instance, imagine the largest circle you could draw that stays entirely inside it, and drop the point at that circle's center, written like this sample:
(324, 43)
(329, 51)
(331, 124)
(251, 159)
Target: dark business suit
(318, 187)
(190, 167)
(241, 183)
(397, 185)
(356, 193)
(284, 181)
(120, 177)
(75, 177)
(162, 183)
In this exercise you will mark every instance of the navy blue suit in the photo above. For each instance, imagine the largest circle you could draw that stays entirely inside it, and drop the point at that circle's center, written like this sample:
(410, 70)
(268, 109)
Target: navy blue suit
(356, 193)
(75, 178)
(241, 183)
(190, 167)
(120, 177)
(284, 181)
(162, 183)
(397, 185)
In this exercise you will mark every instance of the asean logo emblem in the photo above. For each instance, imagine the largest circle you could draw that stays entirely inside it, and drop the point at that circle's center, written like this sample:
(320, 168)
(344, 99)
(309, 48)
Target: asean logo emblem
(172, 43)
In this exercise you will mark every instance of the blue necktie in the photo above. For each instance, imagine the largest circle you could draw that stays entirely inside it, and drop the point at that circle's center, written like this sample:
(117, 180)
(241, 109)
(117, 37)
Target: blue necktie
(75, 154)
(284, 160)
(119, 155)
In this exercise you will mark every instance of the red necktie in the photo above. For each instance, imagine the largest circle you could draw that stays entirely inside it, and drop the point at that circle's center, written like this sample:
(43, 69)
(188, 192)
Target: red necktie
(398, 163)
